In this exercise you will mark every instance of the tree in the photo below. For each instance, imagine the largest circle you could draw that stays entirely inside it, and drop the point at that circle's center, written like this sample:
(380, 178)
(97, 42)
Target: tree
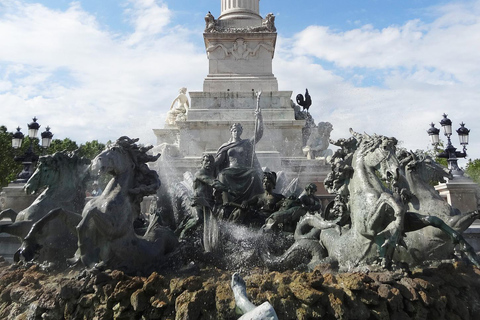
(473, 170)
(91, 149)
(434, 154)
(61, 145)
(8, 167)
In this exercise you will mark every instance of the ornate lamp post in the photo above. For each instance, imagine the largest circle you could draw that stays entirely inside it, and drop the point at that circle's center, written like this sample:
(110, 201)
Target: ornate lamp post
(29, 158)
(450, 153)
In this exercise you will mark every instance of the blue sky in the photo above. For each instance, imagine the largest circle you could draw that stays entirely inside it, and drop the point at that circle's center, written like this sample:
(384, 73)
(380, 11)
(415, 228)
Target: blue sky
(101, 69)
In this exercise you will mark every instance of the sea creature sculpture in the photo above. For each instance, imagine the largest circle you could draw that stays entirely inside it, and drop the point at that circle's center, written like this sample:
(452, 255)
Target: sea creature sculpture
(379, 215)
(105, 230)
(420, 197)
(61, 179)
(264, 311)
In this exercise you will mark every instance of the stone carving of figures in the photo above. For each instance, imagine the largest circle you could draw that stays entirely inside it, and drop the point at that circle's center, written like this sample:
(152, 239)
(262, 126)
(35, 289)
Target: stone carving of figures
(203, 202)
(178, 113)
(318, 142)
(238, 166)
(293, 209)
(269, 22)
(255, 210)
(209, 22)
(240, 50)
(309, 200)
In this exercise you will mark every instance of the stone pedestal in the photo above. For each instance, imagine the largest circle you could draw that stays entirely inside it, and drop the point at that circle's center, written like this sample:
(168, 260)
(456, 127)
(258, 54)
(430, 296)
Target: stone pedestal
(14, 197)
(240, 62)
(461, 193)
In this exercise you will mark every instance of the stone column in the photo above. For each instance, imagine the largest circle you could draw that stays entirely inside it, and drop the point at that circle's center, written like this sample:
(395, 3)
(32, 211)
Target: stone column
(240, 9)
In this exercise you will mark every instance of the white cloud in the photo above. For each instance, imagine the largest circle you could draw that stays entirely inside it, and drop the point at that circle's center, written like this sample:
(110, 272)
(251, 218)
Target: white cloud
(149, 18)
(86, 82)
(424, 70)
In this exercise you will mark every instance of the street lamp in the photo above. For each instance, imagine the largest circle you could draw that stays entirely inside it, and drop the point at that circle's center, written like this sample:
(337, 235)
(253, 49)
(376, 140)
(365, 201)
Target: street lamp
(17, 139)
(29, 158)
(46, 138)
(450, 153)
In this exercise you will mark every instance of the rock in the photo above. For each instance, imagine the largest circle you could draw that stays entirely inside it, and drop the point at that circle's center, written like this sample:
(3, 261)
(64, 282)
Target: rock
(305, 294)
(69, 289)
(139, 300)
(336, 306)
(155, 283)
(353, 281)
(125, 288)
(189, 305)
(430, 293)
(315, 279)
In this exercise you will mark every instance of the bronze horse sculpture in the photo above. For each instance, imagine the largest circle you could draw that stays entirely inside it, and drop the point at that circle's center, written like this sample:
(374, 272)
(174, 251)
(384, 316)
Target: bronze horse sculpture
(363, 170)
(432, 243)
(60, 179)
(105, 229)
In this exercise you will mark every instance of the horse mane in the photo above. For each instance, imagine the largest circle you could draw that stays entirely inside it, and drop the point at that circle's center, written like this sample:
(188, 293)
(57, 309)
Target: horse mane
(341, 162)
(73, 170)
(146, 180)
(66, 159)
(432, 170)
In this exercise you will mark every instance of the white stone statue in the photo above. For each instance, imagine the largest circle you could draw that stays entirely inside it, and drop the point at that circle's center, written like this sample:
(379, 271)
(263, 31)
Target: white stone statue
(269, 22)
(318, 142)
(179, 111)
(209, 22)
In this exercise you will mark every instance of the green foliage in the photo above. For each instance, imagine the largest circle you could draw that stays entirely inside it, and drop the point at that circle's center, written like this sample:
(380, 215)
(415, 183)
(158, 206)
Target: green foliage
(473, 170)
(91, 149)
(61, 145)
(8, 167)
(437, 150)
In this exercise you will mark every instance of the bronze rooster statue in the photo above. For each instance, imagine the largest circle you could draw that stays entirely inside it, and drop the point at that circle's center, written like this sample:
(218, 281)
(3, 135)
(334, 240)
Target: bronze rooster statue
(304, 102)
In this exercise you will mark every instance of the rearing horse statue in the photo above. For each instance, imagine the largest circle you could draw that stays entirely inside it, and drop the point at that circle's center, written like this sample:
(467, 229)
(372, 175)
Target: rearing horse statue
(381, 204)
(105, 229)
(62, 177)
(377, 216)
(106, 232)
(425, 203)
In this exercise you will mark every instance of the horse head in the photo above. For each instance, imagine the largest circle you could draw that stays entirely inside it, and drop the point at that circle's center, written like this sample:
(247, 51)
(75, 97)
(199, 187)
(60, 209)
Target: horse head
(115, 159)
(379, 153)
(61, 171)
(425, 168)
(46, 174)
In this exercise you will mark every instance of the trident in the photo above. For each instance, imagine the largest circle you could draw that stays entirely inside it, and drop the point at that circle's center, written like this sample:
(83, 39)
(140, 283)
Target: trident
(258, 94)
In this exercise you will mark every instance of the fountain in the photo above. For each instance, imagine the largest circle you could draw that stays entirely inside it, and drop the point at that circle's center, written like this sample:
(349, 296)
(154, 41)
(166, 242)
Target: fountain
(383, 247)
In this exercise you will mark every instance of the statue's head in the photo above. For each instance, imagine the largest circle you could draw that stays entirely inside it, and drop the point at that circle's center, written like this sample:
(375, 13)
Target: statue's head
(311, 188)
(207, 161)
(237, 128)
(182, 90)
(269, 178)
